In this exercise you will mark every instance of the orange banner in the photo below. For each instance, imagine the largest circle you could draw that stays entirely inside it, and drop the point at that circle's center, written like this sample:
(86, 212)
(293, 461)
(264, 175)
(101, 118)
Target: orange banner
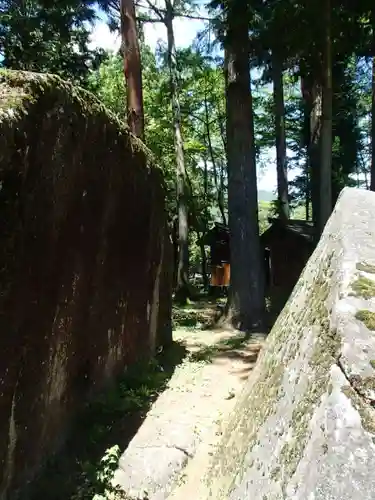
(220, 275)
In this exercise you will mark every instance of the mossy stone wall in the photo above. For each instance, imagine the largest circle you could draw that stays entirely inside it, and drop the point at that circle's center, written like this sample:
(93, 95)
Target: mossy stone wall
(304, 426)
(84, 262)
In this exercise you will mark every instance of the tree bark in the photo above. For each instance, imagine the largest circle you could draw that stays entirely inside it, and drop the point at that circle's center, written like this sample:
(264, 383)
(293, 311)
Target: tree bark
(372, 181)
(199, 224)
(182, 209)
(222, 192)
(218, 186)
(312, 95)
(203, 260)
(326, 132)
(281, 161)
(246, 303)
(132, 68)
(307, 190)
(204, 228)
(314, 150)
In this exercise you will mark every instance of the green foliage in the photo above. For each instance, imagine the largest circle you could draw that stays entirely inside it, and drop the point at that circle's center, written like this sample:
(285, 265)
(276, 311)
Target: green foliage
(265, 211)
(203, 127)
(97, 480)
(149, 11)
(367, 317)
(188, 317)
(47, 36)
(209, 353)
(85, 469)
(108, 84)
(132, 393)
(364, 287)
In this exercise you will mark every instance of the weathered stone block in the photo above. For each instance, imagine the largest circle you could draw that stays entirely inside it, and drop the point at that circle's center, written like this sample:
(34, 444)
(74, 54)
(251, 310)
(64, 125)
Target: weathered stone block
(84, 261)
(304, 427)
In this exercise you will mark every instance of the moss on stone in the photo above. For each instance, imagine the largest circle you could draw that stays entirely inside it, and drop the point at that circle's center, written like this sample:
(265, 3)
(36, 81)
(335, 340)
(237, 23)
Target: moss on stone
(59, 144)
(325, 352)
(372, 363)
(268, 389)
(292, 451)
(364, 409)
(275, 473)
(364, 287)
(367, 268)
(20, 90)
(363, 385)
(367, 317)
(263, 403)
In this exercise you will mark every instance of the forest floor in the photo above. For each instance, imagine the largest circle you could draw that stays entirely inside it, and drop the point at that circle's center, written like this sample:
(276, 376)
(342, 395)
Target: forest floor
(186, 420)
(198, 378)
(225, 359)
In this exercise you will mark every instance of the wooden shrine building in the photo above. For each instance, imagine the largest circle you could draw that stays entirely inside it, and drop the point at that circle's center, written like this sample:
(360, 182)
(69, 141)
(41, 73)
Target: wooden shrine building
(217, 239)
(288, 246)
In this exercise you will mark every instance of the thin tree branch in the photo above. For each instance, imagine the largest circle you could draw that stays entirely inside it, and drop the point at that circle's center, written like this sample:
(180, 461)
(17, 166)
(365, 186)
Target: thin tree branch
(191, 16)
(161, 12)
(157, 11)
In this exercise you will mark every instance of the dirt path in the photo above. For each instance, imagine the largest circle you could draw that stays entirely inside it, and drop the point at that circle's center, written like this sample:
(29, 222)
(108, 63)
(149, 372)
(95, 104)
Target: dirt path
(185, 420)
(233, 359)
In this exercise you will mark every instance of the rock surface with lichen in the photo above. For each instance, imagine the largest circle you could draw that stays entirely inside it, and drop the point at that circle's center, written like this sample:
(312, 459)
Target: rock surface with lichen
(84, 262)
(304, 427)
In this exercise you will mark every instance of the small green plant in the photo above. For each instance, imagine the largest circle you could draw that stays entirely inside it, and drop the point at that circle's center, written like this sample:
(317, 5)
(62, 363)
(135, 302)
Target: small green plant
(97, 478)
(364, 287)
(81, 470)
(209, 353)
(133, 393)
(367, 317)
(191, 316)
(184, 320)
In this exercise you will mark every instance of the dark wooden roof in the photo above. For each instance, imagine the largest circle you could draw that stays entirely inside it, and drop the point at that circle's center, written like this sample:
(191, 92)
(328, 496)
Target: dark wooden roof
(218, 233)
(301, 228)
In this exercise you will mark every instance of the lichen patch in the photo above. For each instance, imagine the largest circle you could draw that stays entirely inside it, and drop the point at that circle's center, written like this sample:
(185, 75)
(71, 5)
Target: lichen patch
(365, 267)
(363, 287)
(367, 318)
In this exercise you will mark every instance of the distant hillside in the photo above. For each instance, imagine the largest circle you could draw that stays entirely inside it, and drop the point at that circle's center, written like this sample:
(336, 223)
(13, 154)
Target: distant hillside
(265, 195)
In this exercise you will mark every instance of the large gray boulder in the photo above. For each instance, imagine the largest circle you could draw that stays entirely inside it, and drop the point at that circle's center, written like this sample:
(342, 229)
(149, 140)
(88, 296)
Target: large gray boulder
(304, 427)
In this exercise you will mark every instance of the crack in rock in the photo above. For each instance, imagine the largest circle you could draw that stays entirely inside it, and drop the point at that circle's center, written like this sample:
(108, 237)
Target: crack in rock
(355, 386)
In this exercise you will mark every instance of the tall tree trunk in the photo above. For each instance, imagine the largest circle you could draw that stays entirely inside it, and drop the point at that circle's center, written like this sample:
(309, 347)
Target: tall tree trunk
(312, 95)
(204, 228)
(199, 224)
(203, 260)
(246, 303)
(182, 209)
(220, 121)
(314, 150)
(218, 186)
(281, 162)
(326, 133)
(174, 234)
(372, 182)
(222, 194)
(307, 190)
(132, 68)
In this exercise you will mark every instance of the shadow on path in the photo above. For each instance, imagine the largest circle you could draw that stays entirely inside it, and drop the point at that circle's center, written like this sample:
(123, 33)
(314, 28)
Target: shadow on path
(236, 349)
(111, 419)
